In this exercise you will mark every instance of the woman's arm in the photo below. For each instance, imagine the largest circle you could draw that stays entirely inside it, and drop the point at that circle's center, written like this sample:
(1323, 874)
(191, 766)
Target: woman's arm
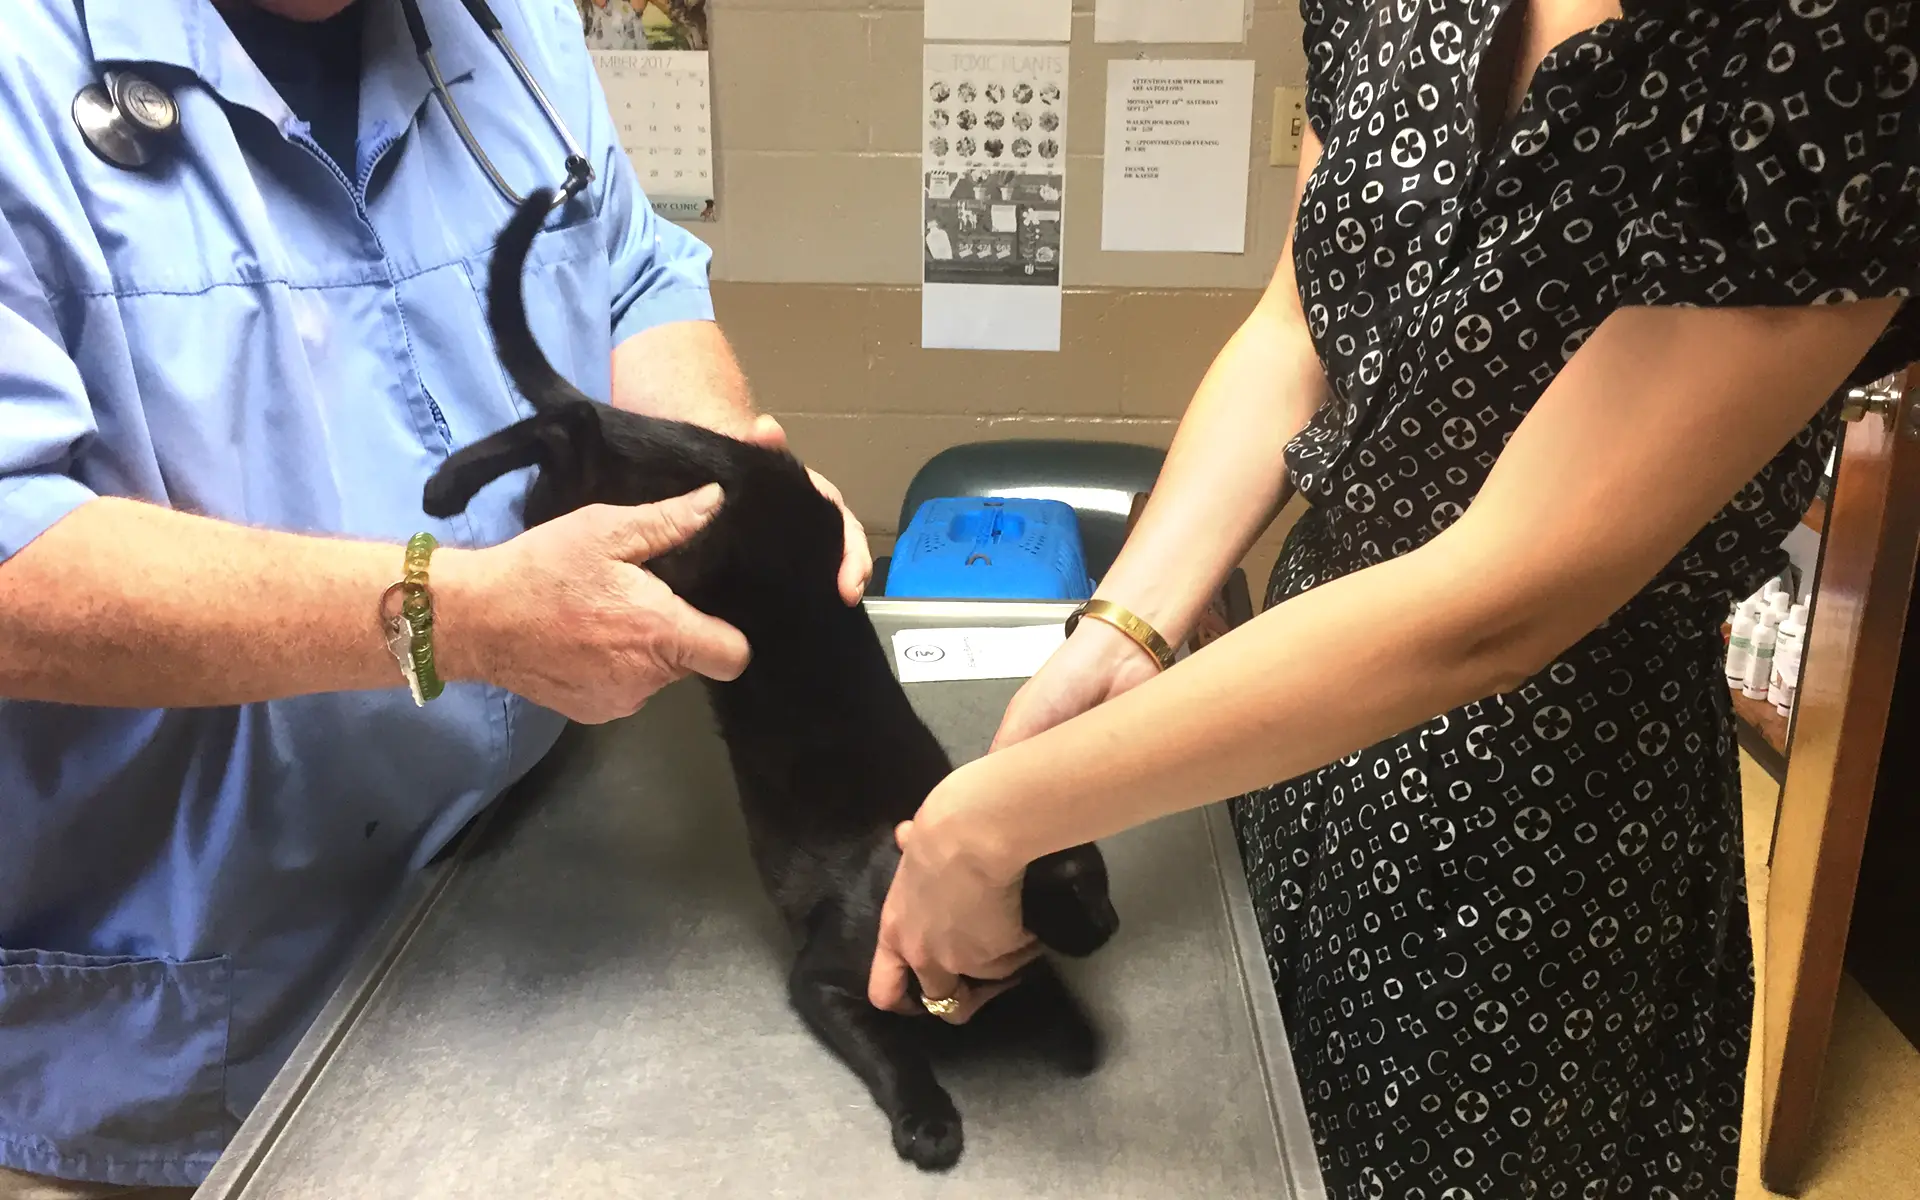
(1224, 479)
(1222, 483)
(1642, 437)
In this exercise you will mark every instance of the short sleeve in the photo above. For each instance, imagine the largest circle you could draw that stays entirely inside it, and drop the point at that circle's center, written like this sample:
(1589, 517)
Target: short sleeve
(1795, 173)
(44, 412)
(1329, 31)
(659, 269)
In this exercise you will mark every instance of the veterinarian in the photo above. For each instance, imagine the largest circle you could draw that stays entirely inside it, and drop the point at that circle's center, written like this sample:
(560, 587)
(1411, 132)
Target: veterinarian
(1553, 351)
(239, 328)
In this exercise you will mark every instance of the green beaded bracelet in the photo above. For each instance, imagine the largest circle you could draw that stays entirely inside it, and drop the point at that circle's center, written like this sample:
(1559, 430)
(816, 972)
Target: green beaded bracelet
(406, 612)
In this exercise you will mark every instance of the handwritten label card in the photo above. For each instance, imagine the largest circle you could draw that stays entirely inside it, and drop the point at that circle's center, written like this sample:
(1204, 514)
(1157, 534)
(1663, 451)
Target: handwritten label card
(932, 655)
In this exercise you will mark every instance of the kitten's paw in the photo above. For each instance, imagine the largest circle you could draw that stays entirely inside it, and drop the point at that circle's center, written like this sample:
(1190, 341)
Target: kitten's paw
(930, 1140)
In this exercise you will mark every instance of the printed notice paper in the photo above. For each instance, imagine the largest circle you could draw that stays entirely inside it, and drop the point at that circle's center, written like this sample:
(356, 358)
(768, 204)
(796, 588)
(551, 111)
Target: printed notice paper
(999, 20)
(932, 655)
(1170, 20)
(1178, 139)
(993, 191)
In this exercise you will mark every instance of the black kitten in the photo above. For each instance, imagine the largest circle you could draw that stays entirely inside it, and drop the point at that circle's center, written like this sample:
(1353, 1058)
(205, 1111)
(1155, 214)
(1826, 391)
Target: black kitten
(828, 753)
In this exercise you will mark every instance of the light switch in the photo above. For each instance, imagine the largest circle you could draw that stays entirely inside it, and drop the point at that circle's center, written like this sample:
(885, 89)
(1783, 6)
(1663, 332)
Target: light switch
(1289, 125)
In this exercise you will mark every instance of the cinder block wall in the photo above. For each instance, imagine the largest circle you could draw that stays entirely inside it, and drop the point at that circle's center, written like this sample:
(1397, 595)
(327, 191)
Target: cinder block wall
(817, 251)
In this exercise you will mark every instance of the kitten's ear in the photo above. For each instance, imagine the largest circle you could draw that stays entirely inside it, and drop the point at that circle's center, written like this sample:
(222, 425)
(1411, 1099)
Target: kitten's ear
(1065, 902)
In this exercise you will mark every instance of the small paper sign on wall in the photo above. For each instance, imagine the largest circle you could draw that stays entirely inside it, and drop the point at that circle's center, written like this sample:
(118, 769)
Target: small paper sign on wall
(993, 199)
(1179, 138)
(999, 20)
(1177, 21)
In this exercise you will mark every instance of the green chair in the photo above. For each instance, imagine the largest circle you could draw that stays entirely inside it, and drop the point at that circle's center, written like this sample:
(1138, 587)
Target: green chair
(1097, 479)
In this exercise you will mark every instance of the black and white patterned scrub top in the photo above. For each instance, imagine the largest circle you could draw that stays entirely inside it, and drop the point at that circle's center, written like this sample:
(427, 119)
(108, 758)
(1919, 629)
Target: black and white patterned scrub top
(1512, 944)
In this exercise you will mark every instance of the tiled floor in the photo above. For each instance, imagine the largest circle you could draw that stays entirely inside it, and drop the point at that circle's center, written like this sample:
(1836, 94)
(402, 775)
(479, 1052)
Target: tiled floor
(1867, 1141)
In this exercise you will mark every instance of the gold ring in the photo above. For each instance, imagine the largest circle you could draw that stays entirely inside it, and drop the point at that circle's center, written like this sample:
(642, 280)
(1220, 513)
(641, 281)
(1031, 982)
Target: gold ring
(940, 1008)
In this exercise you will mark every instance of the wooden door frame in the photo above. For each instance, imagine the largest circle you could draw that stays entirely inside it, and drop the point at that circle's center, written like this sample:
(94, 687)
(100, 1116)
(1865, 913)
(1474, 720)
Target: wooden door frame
(1860, 601)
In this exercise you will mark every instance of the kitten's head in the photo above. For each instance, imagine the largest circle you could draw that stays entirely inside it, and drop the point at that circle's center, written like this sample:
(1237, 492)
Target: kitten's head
(1065, 903)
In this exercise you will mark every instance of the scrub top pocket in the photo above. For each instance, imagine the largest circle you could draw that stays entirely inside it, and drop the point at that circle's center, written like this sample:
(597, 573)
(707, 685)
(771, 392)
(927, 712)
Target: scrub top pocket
(565, 262)
(112, 1055)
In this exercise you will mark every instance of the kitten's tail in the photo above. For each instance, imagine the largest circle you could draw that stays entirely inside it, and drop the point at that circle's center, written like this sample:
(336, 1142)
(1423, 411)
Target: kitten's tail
(526, 364)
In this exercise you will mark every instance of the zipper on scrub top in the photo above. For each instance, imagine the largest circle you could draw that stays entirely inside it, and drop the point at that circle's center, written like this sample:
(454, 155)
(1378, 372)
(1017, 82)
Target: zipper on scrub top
(439, 418)
(301, 137)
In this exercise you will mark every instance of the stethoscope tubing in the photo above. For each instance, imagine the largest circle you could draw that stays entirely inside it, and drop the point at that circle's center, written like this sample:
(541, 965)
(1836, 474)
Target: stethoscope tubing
(579, 171)
(120, 139)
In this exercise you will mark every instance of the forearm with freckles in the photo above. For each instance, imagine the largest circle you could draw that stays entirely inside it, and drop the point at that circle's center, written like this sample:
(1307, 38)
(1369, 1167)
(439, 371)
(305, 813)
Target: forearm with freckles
(687, 371)
(128, 605)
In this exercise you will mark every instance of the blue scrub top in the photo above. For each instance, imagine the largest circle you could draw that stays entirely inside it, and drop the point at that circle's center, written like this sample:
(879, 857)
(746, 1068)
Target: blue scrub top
(249, 334)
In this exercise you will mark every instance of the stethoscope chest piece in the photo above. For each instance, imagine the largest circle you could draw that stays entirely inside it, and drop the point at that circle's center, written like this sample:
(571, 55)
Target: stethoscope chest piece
(126, 119)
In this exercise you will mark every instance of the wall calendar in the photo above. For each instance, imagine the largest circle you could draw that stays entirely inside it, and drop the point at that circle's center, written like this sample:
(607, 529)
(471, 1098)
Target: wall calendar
(664, 118)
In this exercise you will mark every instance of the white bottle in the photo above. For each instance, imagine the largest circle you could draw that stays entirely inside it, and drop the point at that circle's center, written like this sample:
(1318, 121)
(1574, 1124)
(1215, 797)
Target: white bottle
(1792, 632)
(1780, 606)
(1760, 667)
(1789, 645)
(1780, 689)
(1772, 589)
(1785, 687)
(1740, 641)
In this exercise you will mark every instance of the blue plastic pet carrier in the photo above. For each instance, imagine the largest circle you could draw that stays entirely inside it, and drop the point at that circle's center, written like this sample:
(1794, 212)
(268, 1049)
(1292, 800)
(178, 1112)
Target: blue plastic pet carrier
(977, 548)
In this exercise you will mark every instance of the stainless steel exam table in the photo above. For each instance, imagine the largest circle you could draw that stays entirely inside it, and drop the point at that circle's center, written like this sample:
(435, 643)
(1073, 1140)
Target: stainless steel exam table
(588, 1000)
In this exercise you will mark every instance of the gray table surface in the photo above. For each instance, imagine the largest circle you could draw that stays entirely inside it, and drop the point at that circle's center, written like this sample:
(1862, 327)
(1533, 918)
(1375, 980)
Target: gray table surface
(588, 1000)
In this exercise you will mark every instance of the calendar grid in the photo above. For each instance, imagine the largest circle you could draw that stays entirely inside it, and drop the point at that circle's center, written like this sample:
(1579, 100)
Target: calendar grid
(662, 111)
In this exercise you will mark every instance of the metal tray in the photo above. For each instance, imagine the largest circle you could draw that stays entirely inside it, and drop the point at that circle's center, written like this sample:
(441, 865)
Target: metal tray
(587, 1000)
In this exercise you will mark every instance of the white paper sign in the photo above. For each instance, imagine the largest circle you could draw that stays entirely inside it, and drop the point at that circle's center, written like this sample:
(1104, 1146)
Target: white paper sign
(1170, 20)
(932, 655)
(661, 112)
(1178, 139)
(993, 196)
(999, 20)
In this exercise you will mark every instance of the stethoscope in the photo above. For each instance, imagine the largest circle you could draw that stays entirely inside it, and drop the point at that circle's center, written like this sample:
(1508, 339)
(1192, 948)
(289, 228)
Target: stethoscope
(133, 123)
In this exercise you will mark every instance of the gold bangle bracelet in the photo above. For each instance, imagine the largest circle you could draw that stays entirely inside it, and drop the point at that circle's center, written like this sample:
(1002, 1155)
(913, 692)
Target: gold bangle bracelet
(1109, 613)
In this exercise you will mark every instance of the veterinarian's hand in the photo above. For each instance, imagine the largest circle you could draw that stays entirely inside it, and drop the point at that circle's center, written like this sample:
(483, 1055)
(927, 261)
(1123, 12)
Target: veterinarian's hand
(564, 614)
(856, 560)
(1090, 668)
(946, 915)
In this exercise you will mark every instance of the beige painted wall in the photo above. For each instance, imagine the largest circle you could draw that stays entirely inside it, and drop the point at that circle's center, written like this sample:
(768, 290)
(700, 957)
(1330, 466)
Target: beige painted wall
(817, 132)
(817, 252)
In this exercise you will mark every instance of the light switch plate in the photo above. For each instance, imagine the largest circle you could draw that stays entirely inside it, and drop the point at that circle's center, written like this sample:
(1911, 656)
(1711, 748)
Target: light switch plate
(1289, 125)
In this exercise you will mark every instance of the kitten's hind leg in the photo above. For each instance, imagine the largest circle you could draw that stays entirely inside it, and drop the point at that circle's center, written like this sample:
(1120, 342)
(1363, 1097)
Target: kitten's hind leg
(1043, 1014)
(880, 1049)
